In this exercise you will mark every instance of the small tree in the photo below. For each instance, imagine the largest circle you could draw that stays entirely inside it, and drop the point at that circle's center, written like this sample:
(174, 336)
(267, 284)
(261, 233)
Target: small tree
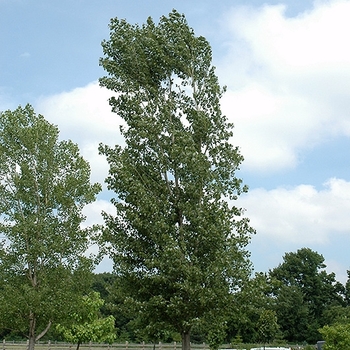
(177, 242)
(44, 185)
(336, 336)
(87, 325)
(267, 326)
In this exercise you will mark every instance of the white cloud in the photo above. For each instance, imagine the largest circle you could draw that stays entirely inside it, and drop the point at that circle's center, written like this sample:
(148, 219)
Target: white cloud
(311, 40)
(270, 128)
(93, 212)
(288, 80)
(98, 163)
(338, 269)
(84, 116)
(302, 214)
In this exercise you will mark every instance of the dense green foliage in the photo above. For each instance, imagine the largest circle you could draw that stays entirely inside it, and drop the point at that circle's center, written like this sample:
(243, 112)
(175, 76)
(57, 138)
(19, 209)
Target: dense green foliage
(88, 325)
(178, 243)
(267, 326)
(304, 293)
(336, 336)
(256, 298)
(108, 286)
(301, 293)
(44, 185)
(247, 307)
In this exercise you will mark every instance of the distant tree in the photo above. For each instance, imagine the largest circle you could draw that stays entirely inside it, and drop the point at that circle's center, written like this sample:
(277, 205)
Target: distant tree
(103, 284)
(292, 313)
(267, 326)
(337, 314)
(44, 185)
(253, 298)
(107, 284)
(347, 289)
(303, 275)
(87, 325)
(178, 243)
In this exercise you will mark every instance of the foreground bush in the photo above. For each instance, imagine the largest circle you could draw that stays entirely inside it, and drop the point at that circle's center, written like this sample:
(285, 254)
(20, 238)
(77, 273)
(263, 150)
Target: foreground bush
(336, 336)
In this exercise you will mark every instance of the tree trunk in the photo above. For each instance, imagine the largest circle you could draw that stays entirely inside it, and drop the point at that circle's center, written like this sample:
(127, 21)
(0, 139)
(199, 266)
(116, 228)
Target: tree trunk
(31, 335)
(186, 344)
(32, 339)
(31, 343)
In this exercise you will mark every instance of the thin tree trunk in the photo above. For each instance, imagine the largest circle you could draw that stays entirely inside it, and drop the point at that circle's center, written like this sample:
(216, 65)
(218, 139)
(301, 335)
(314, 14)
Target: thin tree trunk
(31, 335)
(186, 344)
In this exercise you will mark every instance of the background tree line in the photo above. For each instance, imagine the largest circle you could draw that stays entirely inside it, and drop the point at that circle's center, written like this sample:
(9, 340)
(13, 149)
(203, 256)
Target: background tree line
(178, 242)
(299, 293)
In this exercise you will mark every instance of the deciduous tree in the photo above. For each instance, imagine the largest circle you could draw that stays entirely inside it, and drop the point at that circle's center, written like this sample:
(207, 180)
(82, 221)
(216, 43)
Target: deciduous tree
(87, 324)
(267, 326)
(336, 336)
(44, 185)
(251, 301)
(177, 241)
(303, 275)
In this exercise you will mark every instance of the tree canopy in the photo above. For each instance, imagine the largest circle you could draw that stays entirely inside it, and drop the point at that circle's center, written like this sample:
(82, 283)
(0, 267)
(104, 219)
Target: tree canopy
(177, 241)
(88, 325)
(305, 292)
(44, 185)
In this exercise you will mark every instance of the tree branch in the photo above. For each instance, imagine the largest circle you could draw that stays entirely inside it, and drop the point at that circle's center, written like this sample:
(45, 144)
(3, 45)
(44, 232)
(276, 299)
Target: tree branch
(39, 336)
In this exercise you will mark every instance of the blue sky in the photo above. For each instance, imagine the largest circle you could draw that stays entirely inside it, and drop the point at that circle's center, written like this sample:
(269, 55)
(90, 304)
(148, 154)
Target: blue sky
(287, 68)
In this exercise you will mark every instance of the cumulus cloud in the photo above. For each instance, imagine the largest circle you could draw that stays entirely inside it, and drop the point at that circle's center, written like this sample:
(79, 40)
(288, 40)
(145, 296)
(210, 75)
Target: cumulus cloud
(288, 80)
(93, 212)
(84, 116)
(301, 214)
(338, 269)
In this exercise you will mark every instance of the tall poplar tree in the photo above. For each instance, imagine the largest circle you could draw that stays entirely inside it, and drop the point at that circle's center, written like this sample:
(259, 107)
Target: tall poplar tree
(44, 185)
(178, 243)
